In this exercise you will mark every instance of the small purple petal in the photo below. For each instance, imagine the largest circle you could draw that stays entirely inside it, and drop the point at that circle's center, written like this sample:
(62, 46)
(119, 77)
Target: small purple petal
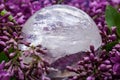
(116, 69)
(90, 78)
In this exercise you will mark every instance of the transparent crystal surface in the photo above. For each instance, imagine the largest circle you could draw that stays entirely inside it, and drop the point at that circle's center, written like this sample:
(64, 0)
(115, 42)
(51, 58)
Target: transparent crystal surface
(62, 29)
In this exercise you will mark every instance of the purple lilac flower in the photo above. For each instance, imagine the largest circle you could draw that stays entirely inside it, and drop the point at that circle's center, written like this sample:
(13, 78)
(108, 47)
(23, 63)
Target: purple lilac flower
(116, 69)
(93, 66)
(31, 69)
(90, 78)
(115, 59)
(4, 75)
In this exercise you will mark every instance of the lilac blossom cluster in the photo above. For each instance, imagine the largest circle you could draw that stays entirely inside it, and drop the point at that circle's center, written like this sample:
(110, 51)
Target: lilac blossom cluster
(36, 69)
(96, 65)
(115, 59)
(4, 75)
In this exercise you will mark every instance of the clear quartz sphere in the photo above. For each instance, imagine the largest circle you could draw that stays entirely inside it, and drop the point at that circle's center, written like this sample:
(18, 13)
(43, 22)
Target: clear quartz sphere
(62, 29)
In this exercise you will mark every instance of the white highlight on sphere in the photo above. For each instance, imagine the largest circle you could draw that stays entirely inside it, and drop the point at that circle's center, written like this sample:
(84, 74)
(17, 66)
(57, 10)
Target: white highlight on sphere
(62, 29)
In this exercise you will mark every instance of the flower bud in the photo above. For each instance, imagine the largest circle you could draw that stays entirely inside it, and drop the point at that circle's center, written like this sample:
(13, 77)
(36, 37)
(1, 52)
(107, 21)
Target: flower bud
(86, 59)
(103, 67)
(2, 43)
(4, 38)
(92, 48)
(90, 78)
(107, 62)
(20, 74)
(112, 37)
(11, 55)
(10, 23)
(113, 29)
(2, 6)
(7, 64)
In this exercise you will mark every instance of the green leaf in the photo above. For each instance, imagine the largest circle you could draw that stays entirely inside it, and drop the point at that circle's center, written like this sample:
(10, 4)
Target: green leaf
(11, 50)
(108, 47)
(112, 17)
(3, 57)
(10, 17)
(3, 12)
(13, 78)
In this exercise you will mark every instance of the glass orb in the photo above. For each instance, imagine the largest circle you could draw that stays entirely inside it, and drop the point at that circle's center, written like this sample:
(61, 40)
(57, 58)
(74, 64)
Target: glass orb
(62, 29)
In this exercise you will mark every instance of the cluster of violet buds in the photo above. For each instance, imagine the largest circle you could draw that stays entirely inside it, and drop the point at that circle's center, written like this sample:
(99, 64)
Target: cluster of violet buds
(115, 59)
(4, 75)
(10, 36)
(32, 69)
(95, 65)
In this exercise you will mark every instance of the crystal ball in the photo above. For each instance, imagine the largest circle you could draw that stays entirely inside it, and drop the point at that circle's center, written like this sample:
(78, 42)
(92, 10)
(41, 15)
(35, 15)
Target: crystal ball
(62, 29)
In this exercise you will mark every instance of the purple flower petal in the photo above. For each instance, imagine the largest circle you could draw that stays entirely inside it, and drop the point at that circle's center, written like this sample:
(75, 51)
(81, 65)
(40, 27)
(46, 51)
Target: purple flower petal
(2, 65)
(90, 78)
(116, 69)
